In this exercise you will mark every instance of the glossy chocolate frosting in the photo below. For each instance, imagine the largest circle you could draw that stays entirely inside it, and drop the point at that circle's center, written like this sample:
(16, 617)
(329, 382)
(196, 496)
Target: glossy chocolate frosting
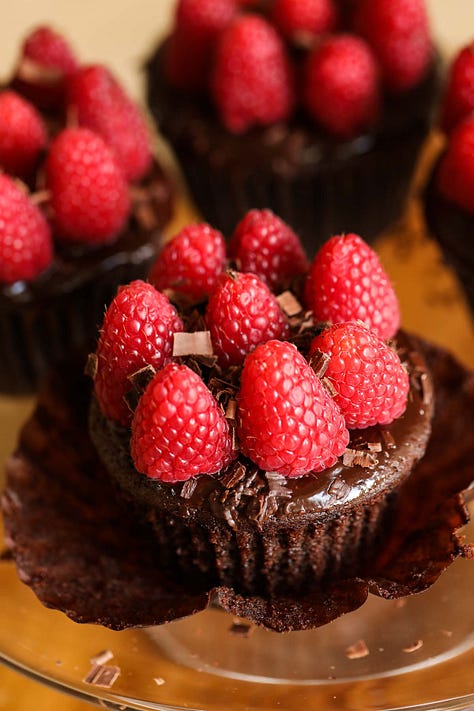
(377, 459)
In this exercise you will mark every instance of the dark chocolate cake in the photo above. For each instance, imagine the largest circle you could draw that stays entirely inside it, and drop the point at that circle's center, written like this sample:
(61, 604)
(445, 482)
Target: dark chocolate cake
(58, 313)
(453, 229)
(264, 534)
(82, 551)
(320, 185)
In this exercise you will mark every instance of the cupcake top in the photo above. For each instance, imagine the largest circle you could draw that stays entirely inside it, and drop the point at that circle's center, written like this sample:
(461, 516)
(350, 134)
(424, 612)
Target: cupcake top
(283, 368)
(332, 61)
(77, 162)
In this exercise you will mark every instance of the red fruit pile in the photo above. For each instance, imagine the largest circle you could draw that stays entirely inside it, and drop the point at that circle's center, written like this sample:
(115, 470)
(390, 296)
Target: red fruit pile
(333, 58)
(84, 170)
(455, 175)
(239, 370)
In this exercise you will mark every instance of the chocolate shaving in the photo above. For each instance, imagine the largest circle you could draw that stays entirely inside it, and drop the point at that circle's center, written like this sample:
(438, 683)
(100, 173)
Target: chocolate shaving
(387, 439)
(102, 675)
(374, 446)
(138, 383)
(196, 343)
(358, 650)
(356, 457)
(241, 628)
(231, 409)
(102, 657)
(413, 647)
(91, 365)
(319, 362)
(329, 387)
(234, 476)
(277, 485)
(159, 681)
(188, 488)
(289, 304)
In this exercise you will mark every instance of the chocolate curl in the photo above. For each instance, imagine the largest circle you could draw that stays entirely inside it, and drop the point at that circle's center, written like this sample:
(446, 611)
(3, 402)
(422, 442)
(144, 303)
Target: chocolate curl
(198, 344)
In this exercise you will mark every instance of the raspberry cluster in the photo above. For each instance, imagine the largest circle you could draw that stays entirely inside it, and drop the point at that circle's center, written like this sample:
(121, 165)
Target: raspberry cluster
(71, 144)
(455, 175)
(260, 61)
(248, 361)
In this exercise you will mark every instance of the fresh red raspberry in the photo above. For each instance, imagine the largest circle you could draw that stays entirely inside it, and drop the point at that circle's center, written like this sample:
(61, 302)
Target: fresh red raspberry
(347, 283)
(458, 99)
(305, 19)
(241, 313)
(22, 135)
(179, 430)
(89, 193)
(188, 52)
(286, 421)
(266, 246)
(49, 49)
(26, 247)
(341, 85)
(191, 262)
(101, 104)
(455, 175)
(137, 331)
(399, 33)
(45, 64)
(371, 385)
(252, 81)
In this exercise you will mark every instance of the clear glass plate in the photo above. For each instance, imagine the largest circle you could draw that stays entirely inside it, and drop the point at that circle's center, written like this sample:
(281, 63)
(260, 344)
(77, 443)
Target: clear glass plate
(386, 655)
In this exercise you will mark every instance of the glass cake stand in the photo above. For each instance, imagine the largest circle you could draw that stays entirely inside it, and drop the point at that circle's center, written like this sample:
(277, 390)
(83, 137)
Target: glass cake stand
(418, 652)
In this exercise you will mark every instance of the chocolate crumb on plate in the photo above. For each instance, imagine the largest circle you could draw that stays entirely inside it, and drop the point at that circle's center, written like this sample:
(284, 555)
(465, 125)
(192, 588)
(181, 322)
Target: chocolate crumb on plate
(358, 650)
(104, 675)
(413, 647)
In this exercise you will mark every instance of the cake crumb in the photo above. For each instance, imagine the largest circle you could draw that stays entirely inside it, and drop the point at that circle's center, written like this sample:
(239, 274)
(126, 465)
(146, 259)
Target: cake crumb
(102, 675)
(358, 650)
(159, 681)
(413, 647)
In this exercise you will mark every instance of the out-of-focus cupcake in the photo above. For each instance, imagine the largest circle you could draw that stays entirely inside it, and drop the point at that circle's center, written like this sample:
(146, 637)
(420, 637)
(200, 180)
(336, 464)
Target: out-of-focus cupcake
(316, 110)
(83, 204)
(449, 196)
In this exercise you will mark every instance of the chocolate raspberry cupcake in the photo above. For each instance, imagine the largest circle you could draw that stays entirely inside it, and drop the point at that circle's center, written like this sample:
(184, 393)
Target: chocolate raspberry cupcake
(90, 213)
(449, 203)
(287, 130)
(254, 460)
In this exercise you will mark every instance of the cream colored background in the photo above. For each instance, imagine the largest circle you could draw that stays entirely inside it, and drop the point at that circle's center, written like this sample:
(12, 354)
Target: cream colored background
(120, 33)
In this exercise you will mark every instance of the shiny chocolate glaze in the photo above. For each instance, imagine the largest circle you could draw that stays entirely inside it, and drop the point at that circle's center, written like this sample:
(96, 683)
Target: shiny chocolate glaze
(243, 492)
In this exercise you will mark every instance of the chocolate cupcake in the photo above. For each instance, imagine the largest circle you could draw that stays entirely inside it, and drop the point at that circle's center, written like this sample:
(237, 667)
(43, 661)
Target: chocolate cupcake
(278, 498)
(448, 197)
(98, 199)
(321, 173)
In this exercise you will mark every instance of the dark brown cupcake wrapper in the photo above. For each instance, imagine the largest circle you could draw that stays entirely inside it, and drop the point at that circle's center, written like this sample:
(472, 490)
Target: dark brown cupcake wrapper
(82, 552)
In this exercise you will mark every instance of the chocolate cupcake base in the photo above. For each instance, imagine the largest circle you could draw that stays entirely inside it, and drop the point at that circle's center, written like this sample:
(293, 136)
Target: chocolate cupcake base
(80, 549)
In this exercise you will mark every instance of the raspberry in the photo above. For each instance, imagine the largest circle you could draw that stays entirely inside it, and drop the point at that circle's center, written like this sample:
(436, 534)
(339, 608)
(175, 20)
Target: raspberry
(137, 331)
(46, 63)
(455, 175)
(252, 81)
(286, 421)
(102, 105)
(341, 87)
(266, 246)
(179, 430)
(49, 49)
(399, 33)
(191, 262)
(458, 99)
(22, 135)
(26, 247)
(188, 53)
(89, 194)
(241, 313)
(347, 283)
(304, 18)
(371, 385)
